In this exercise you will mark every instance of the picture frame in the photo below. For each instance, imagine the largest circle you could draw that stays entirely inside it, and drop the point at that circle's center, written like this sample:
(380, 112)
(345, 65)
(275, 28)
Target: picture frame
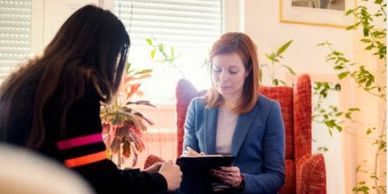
(329, 13)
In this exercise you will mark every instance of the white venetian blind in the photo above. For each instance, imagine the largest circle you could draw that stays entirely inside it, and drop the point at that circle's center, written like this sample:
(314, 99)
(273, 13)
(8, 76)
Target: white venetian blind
(15, 33)
(189, 26)
(187, 23)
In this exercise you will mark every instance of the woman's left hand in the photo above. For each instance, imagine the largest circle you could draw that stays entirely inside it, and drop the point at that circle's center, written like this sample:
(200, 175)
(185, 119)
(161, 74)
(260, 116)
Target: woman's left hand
(153, 168)
(230, 175)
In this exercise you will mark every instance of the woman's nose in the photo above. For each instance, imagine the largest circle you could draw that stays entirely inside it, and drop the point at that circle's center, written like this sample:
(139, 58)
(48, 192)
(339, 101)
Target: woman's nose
(224, 76)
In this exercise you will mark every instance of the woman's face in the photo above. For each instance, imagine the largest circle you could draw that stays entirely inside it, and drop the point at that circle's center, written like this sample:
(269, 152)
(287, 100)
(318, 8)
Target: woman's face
(228, 75)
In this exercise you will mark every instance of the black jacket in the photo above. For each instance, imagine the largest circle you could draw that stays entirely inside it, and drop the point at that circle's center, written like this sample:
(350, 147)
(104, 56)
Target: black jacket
(82, 119)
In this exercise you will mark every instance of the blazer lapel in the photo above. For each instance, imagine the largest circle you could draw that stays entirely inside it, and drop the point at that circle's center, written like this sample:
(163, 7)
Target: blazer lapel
(210, 130)
(243, 124)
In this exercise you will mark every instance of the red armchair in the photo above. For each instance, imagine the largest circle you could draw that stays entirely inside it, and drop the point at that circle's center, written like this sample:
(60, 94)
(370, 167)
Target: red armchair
(305, 173)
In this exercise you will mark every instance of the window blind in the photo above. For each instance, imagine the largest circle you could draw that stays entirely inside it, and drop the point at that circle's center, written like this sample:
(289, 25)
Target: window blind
(182, 23)
(189, 26)
(15, 33)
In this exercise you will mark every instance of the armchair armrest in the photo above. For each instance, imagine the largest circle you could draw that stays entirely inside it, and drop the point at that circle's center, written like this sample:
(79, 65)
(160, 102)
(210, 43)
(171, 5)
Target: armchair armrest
(152, 159)
(311, 174)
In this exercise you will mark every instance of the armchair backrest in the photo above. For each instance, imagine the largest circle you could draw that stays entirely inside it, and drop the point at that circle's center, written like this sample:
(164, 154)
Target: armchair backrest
(296, 111)
(185, 91)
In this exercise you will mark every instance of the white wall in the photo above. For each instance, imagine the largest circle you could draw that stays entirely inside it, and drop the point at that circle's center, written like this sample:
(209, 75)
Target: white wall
(262, 24)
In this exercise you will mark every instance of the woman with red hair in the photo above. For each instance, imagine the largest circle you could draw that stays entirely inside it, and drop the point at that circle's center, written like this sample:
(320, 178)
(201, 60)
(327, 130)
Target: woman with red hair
(234, 119)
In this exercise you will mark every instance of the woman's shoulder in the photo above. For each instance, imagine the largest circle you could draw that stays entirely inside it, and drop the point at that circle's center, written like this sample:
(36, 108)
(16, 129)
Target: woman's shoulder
(198, 101)
(266, 103)
(265, 100)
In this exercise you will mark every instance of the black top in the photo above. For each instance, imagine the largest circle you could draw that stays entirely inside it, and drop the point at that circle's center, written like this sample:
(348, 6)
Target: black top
(83, 118)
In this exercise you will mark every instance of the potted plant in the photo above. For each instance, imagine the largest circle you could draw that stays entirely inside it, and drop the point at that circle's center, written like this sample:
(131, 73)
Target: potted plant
(123, 126)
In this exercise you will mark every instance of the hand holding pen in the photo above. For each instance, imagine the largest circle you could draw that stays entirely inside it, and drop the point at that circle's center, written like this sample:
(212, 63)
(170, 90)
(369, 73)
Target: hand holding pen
(189, 152)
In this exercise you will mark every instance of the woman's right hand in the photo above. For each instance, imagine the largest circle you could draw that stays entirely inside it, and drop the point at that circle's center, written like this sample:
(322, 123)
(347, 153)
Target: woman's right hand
(172, 173)
(189, 152)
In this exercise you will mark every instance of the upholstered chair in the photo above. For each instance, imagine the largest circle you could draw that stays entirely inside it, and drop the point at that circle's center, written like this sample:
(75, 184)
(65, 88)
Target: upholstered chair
(305, 172)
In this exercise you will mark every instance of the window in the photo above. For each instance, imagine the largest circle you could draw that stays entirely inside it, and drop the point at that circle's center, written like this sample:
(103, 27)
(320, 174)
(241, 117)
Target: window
(15, 36)
(189, 26)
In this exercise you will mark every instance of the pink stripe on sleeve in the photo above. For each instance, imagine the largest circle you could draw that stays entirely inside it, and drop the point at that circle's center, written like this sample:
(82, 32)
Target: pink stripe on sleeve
(79, 141)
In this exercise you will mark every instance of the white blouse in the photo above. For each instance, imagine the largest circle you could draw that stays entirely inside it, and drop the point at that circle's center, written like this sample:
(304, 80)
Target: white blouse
(226, 124)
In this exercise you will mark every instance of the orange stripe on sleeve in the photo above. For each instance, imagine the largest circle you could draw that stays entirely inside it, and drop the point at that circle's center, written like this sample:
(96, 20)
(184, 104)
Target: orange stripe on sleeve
(87, 159)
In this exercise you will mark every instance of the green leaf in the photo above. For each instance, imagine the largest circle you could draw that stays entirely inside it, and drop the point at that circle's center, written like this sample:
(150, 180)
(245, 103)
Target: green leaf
(366, 31)
(343, 75)
(378, 14)
(368, 83)
(324, 44)
(352, 64)
(270, 57)
(361, 80)
(366, 40)
(378, 1)
(127, 67)
(339, 128)
(283, 82)
(370, 47)
(149, 41)
(143, 71)
(374, 177)
(289, 69)
(352, 27)
(330, 59)
(354, 109)
(382, 145)
(378, 34)
(275, 82)
(330, 123)
(161, 48)
(283, 47)
(323, 149)
(172, 53)
(349, 12)
(153, 52)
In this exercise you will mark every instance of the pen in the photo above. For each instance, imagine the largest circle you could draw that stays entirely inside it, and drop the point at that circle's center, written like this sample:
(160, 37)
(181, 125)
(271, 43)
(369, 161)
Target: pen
(191, 152)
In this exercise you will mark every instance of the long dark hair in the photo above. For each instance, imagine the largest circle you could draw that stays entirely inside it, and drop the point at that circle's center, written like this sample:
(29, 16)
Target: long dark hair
(243, 46)
(90, 47)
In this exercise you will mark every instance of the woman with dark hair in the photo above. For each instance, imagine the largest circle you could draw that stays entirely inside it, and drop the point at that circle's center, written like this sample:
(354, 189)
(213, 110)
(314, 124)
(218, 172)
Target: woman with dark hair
(234, 119)
(52, 104)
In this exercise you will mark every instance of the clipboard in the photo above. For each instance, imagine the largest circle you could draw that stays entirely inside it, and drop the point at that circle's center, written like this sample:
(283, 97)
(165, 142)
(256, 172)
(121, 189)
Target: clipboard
(204, 162)
(196, 172)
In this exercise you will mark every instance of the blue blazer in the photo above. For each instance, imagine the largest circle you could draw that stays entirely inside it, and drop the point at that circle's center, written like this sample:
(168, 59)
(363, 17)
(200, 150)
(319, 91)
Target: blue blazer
(257, 143)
